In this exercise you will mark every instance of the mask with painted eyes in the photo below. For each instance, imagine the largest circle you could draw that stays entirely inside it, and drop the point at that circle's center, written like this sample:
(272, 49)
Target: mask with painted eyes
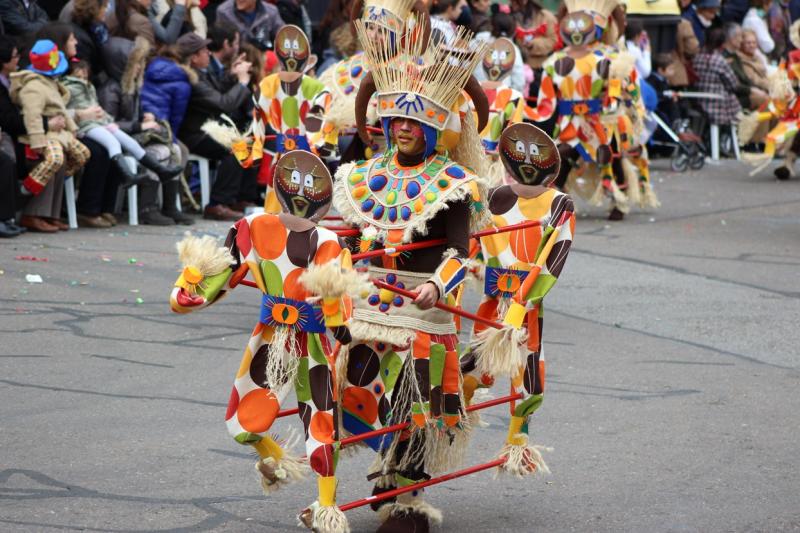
(499, 59)
(303, 185)
(292, 48)
(578, 29)
(529, 154)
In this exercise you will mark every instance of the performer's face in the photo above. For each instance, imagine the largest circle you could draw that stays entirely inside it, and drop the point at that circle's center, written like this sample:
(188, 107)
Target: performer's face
(292, 48)
(529, 154)
(408, 136)
(577, 29)
(303, 185)
(499, 59)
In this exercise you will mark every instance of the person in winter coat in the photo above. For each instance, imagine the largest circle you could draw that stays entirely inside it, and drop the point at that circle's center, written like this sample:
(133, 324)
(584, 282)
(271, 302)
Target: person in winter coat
(40, 96)
(686, 47)
(103, 130)
(167, 89)
(134, 18)
(717, 77)
(257, 20)
(20, 17)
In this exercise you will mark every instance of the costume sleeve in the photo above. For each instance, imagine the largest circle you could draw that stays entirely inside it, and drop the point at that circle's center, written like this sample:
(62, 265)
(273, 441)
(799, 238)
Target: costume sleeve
(206, 279)
(452, 270)
(546, 101)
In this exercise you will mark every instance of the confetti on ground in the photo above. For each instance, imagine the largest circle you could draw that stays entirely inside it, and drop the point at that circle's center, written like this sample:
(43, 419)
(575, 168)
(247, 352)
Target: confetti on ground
(132, 260)
(105, 258)
(73, 283)
(33, 278)
(139, 301)
(31, 258)
(134, 290)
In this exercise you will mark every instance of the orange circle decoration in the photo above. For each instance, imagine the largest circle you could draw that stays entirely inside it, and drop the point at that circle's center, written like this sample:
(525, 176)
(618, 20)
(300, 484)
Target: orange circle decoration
(269, 236)
(321, 427)
(289, 143)
(327, 251)
(360, 403)
(285, 314)
(257, 410)
(524, 243)
(292, 288)
(508, 282)
(487, 309)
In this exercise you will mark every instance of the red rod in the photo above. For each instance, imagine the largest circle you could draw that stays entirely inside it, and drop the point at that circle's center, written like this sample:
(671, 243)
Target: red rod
(332, 217)
(504, 229)
(399, 427)
(443, 307)
(433, 481)
(288, 412)
(399, 248)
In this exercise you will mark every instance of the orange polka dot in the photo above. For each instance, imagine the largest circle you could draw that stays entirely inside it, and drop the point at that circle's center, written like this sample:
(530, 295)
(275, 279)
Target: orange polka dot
(292, 288)
(361, 403)
(326, 251)
(257, 410)
(422, 346)
(321, 427)
(269, 236)
(244, 367)
(487, 309)
(524, 243)
(584, 87)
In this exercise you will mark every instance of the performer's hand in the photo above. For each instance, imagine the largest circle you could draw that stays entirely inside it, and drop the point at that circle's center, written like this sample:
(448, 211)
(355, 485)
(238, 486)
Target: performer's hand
(428, 295)
(342, 334)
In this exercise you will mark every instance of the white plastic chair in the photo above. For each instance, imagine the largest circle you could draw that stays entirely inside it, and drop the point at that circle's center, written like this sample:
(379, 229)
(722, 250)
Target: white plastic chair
(715, 142)
(69, 200)
(205, 179)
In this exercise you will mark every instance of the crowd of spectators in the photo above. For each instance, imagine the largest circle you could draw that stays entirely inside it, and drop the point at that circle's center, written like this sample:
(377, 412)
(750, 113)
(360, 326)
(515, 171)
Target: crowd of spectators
(144, 75)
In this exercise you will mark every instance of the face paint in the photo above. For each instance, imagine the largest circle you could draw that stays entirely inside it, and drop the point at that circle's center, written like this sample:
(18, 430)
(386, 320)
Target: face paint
(292, 49)
(407, 135)
(499, 59)
(578, 29)
(303, 185)
(529, 154)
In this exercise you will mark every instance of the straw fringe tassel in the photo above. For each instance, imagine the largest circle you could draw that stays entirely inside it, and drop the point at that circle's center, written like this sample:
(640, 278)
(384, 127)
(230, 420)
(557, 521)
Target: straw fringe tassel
(523, 459)
(497, 350)
(330, 280)
(420, 506)
(204, 254)
(283, 357)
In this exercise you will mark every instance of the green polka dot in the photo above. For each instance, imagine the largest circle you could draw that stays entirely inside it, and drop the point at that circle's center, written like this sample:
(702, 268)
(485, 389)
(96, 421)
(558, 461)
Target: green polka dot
(272, 278)
(246, 438)
(315, 349)
(290, 112)
(302, 385)
(390, 369)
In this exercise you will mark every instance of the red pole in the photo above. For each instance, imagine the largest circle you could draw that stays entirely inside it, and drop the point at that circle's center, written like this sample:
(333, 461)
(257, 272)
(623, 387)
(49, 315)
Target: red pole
(433, 481)
(399, 248)
(399, 427)
(443, 307)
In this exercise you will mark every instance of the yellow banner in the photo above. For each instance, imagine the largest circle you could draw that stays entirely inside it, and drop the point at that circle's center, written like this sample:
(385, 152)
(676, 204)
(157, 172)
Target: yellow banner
(653, 7)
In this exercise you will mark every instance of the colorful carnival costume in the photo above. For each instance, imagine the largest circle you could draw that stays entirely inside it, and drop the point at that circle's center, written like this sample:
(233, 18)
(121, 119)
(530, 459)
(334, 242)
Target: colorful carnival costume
(521, 266)
(403, 364)
(305, 277)
(506, 105)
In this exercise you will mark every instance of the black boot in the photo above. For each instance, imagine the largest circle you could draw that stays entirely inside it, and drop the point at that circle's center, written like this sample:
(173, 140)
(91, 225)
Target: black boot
(164, 173)
(169, 191)
(153, 217)
(129, 179)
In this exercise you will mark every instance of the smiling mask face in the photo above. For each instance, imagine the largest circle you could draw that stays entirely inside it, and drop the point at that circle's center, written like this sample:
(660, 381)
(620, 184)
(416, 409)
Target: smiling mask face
(303, 185)
(529, 154)
(578, 29)
(499, 59)
(292, 48)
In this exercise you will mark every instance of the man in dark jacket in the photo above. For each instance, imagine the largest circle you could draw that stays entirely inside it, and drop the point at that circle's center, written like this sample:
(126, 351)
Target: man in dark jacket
(702, 14)
(21, 18)
(211, 97)
(11, 126)
(256, 20)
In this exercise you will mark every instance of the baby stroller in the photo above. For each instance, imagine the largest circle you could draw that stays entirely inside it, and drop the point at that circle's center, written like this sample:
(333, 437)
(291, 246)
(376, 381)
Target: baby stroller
(688, 150)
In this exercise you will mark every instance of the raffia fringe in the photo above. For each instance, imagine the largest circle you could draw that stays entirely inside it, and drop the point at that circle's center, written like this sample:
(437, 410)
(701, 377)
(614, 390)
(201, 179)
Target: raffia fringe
(331, 281)
(649, 198)
(289, 469)
(420, 506)
(760, 161)
(598, 195)
(283, 357)
(523, 460)
(370, 332)
(631, 174)
(620, 199)
(226, 135)
(497, 350)
(203, 253)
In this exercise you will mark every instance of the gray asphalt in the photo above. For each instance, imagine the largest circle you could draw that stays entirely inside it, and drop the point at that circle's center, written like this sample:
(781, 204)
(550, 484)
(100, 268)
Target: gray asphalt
(672, 395)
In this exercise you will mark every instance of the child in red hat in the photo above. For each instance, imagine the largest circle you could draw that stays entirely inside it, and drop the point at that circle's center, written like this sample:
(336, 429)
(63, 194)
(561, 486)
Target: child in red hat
(41, 97)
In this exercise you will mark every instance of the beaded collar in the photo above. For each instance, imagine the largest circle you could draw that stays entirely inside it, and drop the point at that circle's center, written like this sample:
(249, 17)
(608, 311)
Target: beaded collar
(387, 196)
(349, 73)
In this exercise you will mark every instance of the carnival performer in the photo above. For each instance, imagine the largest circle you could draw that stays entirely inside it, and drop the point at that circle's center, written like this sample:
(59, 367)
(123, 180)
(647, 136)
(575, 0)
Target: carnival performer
(403, 364)
(292, 261)
(573, 87)
(521, 267)
(384, 19)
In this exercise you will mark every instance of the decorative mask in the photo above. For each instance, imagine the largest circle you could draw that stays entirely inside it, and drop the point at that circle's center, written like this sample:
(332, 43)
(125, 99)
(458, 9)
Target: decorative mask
(578, 29)
(303, 185)
(529, 154)
(499, 59)
(292, 48)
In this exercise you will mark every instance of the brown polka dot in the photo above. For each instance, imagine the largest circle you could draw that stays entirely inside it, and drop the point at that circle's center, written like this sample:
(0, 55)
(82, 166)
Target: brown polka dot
(421, 369)
(558, 256)
(451, 404)
(305, 415)
(501, 199)
(300, 247)
(383, 410)
(258, 367)
(363, 365)
(564, 65)
(603, 67)
(321, 392)
(603, 154)
(436, 401)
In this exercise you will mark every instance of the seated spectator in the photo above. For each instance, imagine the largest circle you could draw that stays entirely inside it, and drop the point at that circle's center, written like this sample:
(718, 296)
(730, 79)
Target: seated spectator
(686, 46)
(132, 18)
(40, 97)
(21, 18)
(755, 20)
(167, 88)
(536, 35)
(715, 76)
(256, 20)
(106, 132)
(750, 71)
(779, 20)
(481, 16)
(87, 24)
(502, 24)
(638, 45)
(444, 14)
(11, 126)
(210, 98)
(701, 15)
(194, 19)
(667, 106)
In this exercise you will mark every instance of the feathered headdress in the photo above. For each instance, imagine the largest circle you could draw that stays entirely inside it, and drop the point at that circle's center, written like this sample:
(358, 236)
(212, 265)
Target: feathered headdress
(600, 9)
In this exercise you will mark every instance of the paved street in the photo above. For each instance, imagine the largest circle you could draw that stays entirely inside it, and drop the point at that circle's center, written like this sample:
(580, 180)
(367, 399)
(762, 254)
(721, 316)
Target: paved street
(672, 400)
